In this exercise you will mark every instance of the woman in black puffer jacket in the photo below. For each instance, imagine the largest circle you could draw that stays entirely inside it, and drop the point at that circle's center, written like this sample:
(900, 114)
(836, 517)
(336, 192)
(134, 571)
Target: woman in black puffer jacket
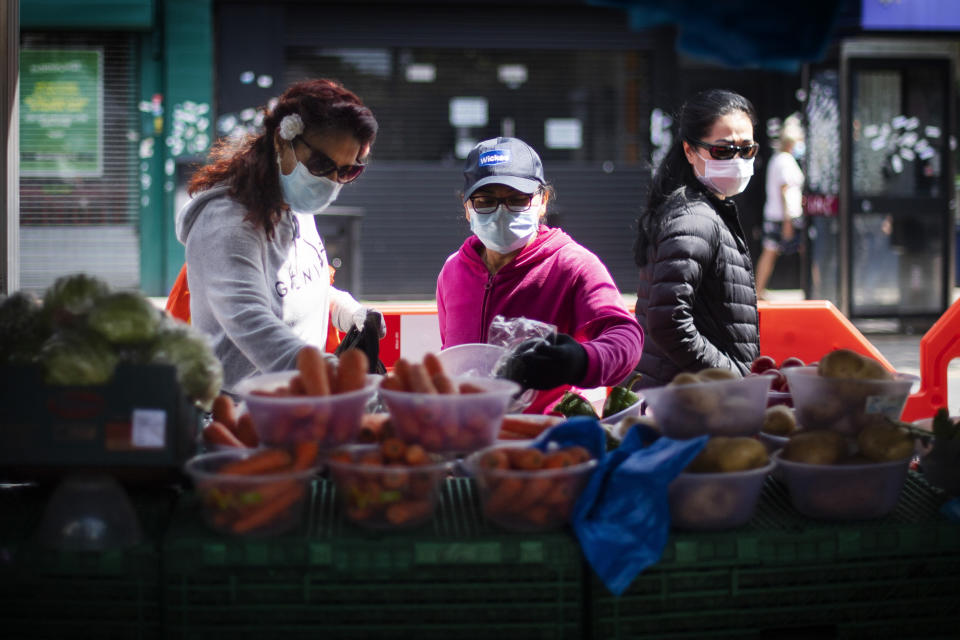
(697, 301)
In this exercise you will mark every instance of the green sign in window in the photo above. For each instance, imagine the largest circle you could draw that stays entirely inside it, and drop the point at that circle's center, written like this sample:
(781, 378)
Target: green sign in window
(61, 112)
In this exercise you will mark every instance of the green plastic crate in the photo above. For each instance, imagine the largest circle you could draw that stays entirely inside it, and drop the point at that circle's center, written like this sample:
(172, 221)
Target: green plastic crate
(455, 577)
(50, 594)
(786, 576)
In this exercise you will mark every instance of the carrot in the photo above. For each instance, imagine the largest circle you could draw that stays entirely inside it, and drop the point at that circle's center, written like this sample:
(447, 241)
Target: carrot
(216, 433)
(246, 432)
(432, 440)
(469, 387)
(401, 369)
(340, 456)
(262, 515)
(537, 515)
(267, 461)
(352, 372)
(443, 383)
(296, 386)
(415, 455)
(408, 511)
(505, 492)
(305, 454)
(529, 427)
(395, 477)
(527, 459)
(313, 371)
(495, 459)
(371, 458)
(557, 460)
(374, 427)
(392, 382)
(267, 492)
(512, 435)
(420, 381)
(579, 454)
(224, 411)
(533, 492)
(393, 449)
(433, 365)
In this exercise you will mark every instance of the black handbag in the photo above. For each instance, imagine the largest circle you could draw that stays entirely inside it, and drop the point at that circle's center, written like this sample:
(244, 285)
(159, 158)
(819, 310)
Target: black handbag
(367, 340)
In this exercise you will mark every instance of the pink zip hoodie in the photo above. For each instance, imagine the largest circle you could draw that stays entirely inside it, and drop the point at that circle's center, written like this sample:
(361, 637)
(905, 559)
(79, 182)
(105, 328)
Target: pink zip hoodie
(555, 280)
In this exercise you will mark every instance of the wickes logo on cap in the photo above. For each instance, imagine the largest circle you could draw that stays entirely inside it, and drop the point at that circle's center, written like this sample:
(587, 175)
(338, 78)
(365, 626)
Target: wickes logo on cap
(495, 156)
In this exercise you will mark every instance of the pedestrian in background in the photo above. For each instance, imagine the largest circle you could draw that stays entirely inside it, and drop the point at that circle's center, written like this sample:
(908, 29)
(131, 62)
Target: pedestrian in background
(696, 300)
(515, 266)
(783, 209)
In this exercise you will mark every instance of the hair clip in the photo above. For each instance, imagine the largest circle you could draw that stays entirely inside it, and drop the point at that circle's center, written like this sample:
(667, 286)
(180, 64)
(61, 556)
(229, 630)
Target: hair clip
(291, 126)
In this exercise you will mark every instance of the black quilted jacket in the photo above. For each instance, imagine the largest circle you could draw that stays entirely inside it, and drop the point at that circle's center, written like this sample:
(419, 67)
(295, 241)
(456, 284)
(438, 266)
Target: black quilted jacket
(697, 301)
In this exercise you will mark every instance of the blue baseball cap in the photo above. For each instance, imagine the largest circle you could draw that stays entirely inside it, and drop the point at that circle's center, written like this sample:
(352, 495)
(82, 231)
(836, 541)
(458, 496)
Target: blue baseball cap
(508, 161)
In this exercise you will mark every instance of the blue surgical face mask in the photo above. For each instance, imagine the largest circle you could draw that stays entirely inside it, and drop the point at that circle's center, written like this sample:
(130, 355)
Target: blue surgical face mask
(504, 231)
(305, 192)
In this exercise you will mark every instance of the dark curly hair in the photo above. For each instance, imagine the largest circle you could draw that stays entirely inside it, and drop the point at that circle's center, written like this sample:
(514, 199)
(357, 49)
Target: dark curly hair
(250, 167)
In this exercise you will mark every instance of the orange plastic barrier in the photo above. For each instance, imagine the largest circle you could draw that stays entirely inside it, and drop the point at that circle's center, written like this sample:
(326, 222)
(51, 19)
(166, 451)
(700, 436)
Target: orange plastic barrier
(808, 330)
(938, 346)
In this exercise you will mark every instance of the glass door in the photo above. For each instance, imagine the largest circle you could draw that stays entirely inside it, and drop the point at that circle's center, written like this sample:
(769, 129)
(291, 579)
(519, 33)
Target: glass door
(899, 183)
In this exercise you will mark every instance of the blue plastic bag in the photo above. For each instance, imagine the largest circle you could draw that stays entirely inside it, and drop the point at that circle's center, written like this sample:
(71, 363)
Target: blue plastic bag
(622, 518)
(583, 431)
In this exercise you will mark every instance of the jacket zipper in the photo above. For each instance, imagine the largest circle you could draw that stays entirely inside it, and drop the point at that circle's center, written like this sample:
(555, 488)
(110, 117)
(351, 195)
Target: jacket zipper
(487, 289)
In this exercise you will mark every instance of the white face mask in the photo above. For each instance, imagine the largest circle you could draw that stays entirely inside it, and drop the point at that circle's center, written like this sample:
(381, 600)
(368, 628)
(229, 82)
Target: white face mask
(726, 177)
(305, 192)
(504, 231)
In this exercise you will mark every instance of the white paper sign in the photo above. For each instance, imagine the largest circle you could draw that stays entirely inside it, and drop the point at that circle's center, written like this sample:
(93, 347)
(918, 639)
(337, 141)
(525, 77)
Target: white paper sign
(149, 428)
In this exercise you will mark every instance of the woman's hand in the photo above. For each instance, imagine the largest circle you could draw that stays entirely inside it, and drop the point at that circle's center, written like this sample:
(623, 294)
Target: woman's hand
(547, 363)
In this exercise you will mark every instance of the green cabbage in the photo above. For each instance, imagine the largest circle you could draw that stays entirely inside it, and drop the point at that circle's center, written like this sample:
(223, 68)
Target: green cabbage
(71, 297)
(77, 357)
(124, 318)
(22, 329)
(198, 369)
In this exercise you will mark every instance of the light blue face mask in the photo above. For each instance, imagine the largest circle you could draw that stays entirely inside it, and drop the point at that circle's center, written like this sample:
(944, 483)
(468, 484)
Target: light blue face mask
(504, 231)
(305, 192)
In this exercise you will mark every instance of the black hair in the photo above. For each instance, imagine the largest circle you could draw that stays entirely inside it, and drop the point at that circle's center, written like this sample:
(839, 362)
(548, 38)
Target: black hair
(674, 179)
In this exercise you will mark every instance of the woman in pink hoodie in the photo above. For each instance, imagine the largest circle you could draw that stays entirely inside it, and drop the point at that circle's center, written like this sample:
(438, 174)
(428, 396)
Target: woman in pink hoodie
(515, 266)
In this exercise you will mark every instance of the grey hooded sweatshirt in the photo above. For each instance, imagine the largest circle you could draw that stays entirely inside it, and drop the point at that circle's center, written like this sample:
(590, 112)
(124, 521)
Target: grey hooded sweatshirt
(259, 300)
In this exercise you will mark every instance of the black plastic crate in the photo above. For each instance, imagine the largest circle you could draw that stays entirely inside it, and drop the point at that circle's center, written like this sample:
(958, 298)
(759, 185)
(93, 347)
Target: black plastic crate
(784, 575)
(51, 594)
(452, 578)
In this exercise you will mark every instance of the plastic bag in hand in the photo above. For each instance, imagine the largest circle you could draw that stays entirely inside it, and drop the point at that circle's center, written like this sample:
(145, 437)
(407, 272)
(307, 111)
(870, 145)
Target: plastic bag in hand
(622, 518)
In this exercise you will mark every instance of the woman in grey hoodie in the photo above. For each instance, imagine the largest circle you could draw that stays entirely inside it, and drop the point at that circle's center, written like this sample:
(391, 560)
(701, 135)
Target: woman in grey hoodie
(256, 267)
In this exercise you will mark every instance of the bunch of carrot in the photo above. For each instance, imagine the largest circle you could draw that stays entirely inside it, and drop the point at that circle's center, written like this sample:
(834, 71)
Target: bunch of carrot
(522, 488)
(256, 493)
(432, 418)
(227, 428)
(390, 484)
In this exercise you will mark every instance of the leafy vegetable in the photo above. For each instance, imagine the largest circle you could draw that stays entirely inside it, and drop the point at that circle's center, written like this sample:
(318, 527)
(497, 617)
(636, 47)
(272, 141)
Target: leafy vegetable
(124, 318)
(77, 357)
(198, 369)
(22, 329)
(67, 301)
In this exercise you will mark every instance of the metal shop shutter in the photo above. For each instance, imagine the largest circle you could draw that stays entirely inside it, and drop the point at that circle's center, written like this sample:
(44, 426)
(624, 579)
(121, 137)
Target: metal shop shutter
(78, 153)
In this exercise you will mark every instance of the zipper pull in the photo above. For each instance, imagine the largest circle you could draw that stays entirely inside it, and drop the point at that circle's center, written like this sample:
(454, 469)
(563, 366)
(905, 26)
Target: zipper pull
(489, 284)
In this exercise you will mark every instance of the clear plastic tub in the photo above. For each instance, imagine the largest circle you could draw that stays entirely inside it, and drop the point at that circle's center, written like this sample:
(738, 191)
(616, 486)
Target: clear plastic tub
(844, 491)
(772, 442)
(716, 501)
(779, 397)
(248, 505)
(473, 359)
(630, 412)
(385, 496)
(538, 500)
(330, 420)
(844, 405)
(721, 408)
(460, 422)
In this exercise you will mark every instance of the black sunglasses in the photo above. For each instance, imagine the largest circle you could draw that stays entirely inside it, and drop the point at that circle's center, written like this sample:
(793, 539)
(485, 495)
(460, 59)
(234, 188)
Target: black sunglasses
(516, 203)
(320, 164)
(727, 151)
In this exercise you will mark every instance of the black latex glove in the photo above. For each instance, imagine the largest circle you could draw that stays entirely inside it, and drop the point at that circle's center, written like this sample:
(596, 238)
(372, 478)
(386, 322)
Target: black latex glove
(547, 363)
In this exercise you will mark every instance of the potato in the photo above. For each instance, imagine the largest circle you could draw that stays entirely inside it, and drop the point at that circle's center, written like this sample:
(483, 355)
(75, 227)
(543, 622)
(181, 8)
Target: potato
(779, 420)
(840, 363)
(724, 455)
(714, 374)
(816, 447)
(873, 370)
(685, 378)
(885, 443)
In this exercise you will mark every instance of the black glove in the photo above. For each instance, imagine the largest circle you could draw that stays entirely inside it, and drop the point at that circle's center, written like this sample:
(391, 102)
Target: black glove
(367, 340)
(542, 363)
